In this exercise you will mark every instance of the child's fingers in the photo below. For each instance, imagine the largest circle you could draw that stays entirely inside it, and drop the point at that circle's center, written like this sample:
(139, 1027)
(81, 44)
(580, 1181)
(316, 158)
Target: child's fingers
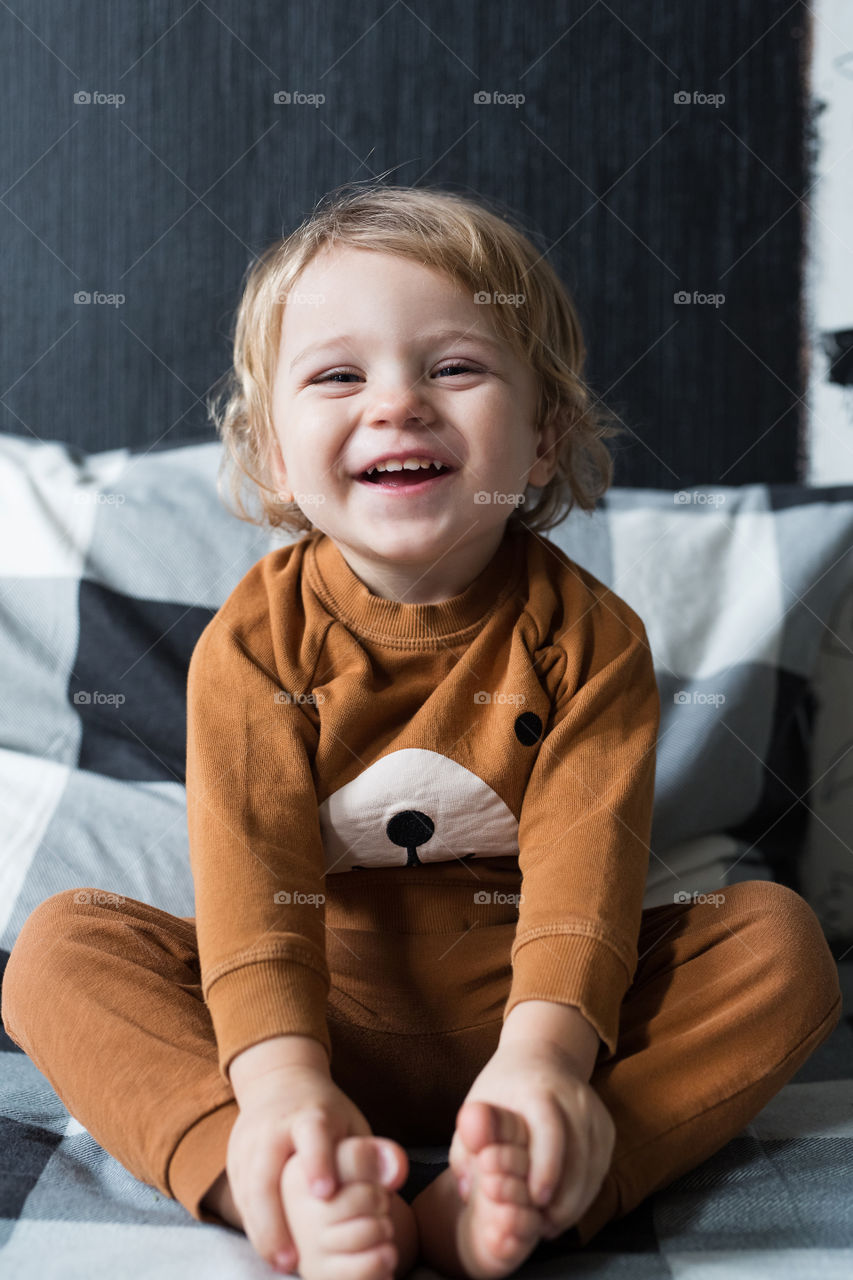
(586, 1162)
(548, 1150)
(316, 1145)
(259, 1200)
(458, 1158)
(588, 1158)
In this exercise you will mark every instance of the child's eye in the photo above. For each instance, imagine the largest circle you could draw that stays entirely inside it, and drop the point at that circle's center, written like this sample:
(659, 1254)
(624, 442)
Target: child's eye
(453, 368)
(344, 373)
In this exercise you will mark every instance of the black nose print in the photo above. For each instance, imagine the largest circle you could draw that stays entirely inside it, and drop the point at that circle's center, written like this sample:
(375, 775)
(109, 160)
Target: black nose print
(528, 728)
(409, 829)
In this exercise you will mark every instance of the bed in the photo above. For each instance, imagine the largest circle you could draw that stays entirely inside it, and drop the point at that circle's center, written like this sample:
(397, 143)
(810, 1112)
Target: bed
(111, 564)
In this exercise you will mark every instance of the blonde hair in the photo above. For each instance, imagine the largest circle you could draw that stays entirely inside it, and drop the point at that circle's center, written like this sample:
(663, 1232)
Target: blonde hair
(481, 251)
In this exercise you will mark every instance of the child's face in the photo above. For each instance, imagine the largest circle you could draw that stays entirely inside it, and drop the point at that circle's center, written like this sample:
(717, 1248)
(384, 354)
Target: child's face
(385, 384)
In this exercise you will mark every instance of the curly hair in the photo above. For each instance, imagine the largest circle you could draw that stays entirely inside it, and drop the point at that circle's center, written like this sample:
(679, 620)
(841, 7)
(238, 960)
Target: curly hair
(484, 253)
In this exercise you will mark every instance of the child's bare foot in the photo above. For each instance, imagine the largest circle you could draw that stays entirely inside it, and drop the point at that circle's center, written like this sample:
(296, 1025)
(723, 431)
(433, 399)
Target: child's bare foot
(492, 1231)
(364, 1231)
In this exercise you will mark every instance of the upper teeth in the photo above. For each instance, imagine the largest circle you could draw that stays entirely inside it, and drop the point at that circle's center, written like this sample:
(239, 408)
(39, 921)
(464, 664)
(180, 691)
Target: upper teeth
(408, 464)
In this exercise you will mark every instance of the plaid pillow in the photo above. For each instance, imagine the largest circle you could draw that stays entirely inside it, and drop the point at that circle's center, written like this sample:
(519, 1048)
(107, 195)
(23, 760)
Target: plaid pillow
(746, 596)
(112, 563)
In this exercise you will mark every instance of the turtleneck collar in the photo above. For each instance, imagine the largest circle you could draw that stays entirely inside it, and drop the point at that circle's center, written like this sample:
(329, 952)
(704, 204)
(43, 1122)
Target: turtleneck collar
(377, 618)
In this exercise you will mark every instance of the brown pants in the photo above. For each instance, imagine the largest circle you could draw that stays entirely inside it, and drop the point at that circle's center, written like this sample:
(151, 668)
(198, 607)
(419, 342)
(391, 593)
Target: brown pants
(728, 1001)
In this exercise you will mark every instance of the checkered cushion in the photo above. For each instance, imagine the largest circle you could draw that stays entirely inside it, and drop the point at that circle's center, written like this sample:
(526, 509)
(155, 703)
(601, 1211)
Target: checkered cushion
(112, 563)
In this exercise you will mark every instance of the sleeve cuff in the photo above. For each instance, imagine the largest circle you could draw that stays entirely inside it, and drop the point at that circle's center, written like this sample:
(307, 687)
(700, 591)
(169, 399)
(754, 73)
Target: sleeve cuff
(576, 969)
(266, 998)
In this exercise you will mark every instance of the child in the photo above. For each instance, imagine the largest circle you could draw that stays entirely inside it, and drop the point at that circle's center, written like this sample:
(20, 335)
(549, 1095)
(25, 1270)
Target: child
(420, 773)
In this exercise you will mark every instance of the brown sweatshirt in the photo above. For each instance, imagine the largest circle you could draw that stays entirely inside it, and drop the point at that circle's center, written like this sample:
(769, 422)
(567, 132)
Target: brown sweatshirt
(503, 736)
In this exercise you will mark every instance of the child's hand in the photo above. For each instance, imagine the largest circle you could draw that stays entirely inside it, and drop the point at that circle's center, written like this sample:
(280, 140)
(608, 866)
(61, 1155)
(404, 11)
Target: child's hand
(572, 1134)
(292, 1109)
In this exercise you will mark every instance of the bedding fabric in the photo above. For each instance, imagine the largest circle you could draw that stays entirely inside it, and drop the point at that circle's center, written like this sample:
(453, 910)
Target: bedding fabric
(110, 566)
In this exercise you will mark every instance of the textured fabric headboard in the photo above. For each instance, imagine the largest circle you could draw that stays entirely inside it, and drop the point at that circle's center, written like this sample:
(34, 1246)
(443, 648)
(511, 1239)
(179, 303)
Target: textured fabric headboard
(149, 152)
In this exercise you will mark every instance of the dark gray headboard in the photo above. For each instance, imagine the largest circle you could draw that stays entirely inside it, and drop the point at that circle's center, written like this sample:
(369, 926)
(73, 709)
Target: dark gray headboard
(167, 196)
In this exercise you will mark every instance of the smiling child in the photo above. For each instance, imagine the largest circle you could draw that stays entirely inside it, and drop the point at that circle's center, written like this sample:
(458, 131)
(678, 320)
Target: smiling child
(420, 779)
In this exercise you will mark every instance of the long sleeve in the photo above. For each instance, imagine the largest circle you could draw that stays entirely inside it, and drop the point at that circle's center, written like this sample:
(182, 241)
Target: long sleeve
(585, 824)
(255, 845)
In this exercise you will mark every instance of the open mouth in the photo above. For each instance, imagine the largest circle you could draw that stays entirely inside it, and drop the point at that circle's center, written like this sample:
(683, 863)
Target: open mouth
(423, 478)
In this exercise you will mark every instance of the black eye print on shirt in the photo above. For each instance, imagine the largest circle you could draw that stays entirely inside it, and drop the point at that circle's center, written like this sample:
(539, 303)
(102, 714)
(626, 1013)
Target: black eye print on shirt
(528, 728)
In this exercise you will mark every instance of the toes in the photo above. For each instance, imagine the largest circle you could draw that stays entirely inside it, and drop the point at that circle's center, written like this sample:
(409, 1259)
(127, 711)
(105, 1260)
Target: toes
(369, 1159)
(352, 1199)
(370, 1264)
(513, 1222)
(482, 1123)
(505, 1189)
(361, 1200)
(358, 1234)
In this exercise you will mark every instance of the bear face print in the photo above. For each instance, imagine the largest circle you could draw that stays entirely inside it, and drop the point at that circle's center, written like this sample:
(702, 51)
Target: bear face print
(411, 808)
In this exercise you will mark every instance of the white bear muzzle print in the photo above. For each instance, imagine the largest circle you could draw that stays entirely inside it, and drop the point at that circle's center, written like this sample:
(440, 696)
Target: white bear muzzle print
(411, 808)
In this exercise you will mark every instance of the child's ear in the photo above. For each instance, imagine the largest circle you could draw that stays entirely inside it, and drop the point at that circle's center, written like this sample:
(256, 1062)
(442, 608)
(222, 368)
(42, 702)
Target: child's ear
(278, 471)
(548, 440)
